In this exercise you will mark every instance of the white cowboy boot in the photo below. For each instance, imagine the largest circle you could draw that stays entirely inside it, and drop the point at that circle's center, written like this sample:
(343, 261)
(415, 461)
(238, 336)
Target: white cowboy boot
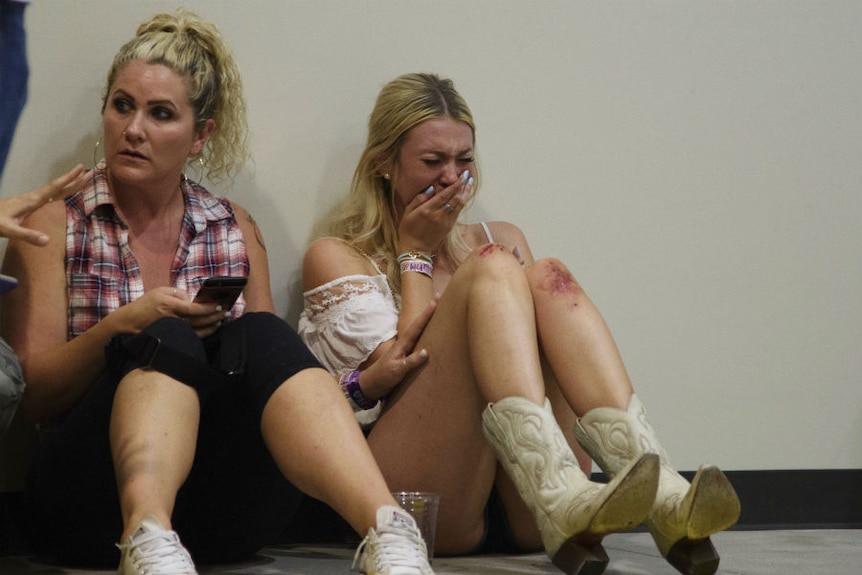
(572, 512)
(684, 515)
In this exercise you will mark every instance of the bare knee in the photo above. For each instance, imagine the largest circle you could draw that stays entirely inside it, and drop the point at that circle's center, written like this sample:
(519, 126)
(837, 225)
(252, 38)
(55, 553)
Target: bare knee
(493, 262)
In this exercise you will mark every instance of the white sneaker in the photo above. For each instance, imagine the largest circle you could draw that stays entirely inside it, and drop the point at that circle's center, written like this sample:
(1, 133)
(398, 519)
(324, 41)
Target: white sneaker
(395, 548)
(154, 550)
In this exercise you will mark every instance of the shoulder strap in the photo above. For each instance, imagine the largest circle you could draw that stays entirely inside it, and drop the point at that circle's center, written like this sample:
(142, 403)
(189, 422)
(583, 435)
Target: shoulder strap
(487, 231)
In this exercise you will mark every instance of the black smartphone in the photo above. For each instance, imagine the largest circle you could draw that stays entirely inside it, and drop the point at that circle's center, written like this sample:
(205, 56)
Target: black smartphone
(223, 290)
(7, 283)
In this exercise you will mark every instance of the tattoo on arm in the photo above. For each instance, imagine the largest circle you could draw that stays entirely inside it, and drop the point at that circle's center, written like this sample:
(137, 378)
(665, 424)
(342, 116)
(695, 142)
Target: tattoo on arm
(258, 236)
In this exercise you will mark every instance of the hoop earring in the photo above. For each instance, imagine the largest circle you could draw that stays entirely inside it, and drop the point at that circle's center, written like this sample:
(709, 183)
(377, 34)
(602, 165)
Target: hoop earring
(200, 168)
(96, 152)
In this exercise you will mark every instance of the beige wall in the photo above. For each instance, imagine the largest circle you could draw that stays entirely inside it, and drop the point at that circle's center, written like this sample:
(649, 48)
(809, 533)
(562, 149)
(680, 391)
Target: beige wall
(697, 164)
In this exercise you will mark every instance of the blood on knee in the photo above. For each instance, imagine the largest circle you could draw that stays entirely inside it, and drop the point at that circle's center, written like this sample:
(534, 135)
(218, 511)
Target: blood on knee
(488, 249)
(557, 280)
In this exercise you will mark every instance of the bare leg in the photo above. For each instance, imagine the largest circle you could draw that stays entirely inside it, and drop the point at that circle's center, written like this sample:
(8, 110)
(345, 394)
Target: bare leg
(502, 329)
(576, 340)
(314, 439)
(566, 418)
(482, 347)
(593, 380)
(154, 425)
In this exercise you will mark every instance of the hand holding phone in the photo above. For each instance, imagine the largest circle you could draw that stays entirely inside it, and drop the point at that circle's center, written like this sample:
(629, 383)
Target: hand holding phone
(223, 290)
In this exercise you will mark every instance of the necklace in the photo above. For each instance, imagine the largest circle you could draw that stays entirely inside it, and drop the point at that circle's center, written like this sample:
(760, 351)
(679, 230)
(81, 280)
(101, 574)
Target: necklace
(388, 283)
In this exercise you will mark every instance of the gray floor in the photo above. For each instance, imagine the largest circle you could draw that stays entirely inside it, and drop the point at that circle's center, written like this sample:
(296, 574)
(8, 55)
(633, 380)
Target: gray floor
(809, 552)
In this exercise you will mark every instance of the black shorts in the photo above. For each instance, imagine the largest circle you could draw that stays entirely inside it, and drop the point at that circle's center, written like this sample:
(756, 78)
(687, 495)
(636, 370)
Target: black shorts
(234, 500)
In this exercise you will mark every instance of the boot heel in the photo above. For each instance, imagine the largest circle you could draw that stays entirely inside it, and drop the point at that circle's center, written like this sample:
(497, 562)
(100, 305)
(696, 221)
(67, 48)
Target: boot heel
(693, 557)
(571, 512)
(684, 514)
(575, 558)
(630, 497)
(714, 504)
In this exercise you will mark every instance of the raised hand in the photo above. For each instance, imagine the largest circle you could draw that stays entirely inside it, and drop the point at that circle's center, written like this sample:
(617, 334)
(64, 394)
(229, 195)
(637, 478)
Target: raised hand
(14, 210)
(431, 215)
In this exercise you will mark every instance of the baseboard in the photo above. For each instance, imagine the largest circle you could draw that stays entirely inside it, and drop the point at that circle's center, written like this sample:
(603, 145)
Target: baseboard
(797, 499)
(772, 499)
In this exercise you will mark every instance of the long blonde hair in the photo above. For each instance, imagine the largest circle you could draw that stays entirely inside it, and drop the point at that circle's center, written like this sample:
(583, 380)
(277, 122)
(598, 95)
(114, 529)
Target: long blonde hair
(366, 217)
(194, 49)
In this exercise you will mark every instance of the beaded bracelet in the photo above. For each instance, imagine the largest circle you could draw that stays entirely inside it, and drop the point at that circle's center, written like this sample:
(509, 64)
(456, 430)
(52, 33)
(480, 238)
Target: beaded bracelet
(415, 255)
(420, 266)
(350, 386)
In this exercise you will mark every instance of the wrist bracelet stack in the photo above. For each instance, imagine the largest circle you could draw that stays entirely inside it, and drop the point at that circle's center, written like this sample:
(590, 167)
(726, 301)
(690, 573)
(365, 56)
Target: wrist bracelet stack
(416, 261)
(349, 383)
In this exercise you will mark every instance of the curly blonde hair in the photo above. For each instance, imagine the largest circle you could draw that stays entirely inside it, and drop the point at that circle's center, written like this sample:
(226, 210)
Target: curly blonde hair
(366, 217)
(194, 49)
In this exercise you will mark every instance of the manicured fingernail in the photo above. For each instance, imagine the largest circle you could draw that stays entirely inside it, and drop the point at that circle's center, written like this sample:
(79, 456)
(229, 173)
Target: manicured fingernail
(218, 308)
(429, 190)
(465, 175)
(470, 181)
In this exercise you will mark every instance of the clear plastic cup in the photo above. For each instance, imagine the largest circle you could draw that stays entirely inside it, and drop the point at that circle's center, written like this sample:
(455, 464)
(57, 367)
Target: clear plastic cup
(422, 506)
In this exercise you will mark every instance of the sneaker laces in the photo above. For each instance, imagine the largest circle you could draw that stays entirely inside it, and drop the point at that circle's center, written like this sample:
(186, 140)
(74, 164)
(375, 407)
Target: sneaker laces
(394, 548)
(159, 553)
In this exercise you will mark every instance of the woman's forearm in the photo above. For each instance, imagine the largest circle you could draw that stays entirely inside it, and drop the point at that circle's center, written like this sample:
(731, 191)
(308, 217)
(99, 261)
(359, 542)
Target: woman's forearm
(58, 377)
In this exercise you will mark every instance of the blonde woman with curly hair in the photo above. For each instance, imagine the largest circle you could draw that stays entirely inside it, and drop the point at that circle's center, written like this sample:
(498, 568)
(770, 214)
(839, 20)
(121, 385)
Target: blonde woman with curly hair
(514, 353)
(183, 429)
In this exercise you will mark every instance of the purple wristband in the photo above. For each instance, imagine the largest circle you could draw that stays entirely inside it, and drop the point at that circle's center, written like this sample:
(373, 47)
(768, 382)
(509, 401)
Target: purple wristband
(420, 266)
(350, 385)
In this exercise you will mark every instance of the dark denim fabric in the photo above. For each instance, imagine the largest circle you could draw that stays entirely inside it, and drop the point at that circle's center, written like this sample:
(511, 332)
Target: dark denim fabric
(14, 72)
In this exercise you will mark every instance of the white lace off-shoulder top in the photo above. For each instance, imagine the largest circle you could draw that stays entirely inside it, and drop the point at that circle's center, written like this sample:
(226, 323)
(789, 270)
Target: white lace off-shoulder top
(344, 320)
